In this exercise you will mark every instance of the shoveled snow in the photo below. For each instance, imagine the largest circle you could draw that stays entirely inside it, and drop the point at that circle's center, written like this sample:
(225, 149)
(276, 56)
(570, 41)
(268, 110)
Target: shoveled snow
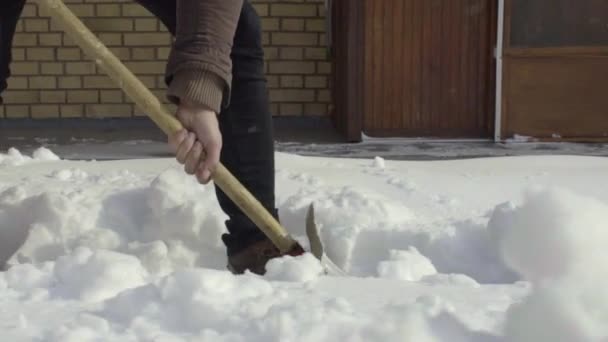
(497, 249)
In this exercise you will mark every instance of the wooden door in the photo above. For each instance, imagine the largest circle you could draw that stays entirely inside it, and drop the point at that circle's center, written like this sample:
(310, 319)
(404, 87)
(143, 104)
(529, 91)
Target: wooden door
(556, 70)
(429, 68)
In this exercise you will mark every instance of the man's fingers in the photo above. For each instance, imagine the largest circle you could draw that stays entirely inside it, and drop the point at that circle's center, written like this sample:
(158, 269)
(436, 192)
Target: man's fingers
(184, 148)
(175, 139)
(211, 161)
(194, 158)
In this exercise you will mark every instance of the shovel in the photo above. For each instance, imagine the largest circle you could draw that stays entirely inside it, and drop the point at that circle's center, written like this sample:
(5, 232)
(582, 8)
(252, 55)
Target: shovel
(150, 105)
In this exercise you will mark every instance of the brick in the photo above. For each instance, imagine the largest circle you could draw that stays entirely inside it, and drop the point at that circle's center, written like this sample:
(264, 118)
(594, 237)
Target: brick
(83, 96)
(50, 39)
(19, 27)
(294, 39)
(40, 54)
(108, 110)
(291, 67)
(292, 24)
(274, 109)
(261, 9)
(140, 53)
(292, 53)
(324, 96)
(272, 81)
(146, 24)
(29, 10)
(122, 53)
(67, 41)
(17, 82)
(36, 25)
(292, 95)
(315, 25)
(316, 109)
(16, 111)
(324, 68)
(321, 11)
(271, 52)
(291, 109)
(20, 96)
(25, 68)
(160, 81)
(108, 10)
(43, 82)
(18, 54)
(265, 38)
(322, 39)
(147, 39)
(44, 111)
(270, 24)
(68, 54)
(97, 82)
(71, 111)
(315, 53)
(80, 68)
(51, 68)
(110, 39)
(293, 10)
(163, 52)
(292, 81)
(25, 39)
(83, 10)
(69, 82)
(109, 25)
(315, 82)
(53, 96)
(134, 10)
(148, 81)
(151, 68)
(111, 96)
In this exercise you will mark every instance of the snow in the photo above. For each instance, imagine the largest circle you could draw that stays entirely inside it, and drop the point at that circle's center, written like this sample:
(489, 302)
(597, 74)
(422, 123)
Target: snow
(486, 249)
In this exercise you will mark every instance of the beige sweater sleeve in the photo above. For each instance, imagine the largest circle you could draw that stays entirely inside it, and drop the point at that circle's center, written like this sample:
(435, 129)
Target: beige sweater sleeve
(199, 69)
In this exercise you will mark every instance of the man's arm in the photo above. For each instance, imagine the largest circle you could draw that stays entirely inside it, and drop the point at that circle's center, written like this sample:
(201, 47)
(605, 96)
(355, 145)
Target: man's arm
(199, 74)
(199, 68)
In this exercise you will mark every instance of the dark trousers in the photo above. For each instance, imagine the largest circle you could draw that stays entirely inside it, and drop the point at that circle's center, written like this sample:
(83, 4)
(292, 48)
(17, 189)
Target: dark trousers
(246, 123)
(10, 11)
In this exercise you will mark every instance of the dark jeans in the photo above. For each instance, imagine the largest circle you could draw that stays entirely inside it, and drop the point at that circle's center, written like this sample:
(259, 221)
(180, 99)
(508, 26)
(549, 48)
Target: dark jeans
(10, 11)
(246, 123)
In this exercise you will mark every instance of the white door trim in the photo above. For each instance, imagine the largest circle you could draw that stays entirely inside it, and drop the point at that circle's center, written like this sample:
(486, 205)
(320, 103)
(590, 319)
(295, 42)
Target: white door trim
(498, 54)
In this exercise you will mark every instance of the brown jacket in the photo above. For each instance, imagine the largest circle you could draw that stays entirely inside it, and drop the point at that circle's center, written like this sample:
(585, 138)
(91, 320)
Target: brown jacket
(199, 69)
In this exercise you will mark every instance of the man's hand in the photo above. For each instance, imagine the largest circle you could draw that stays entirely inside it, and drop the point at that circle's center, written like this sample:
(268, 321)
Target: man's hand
(201, 135)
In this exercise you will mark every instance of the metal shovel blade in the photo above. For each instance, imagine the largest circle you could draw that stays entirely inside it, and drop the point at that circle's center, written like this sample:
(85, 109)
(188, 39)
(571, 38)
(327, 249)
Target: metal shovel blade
(316, 247)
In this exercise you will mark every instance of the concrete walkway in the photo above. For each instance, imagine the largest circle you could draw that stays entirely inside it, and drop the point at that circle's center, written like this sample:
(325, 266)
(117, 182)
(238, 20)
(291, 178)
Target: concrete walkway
(106, 144)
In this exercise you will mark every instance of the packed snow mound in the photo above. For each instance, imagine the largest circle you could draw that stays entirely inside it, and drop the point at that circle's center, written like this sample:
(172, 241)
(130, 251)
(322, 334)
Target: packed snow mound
(437, 251)
(557, 240)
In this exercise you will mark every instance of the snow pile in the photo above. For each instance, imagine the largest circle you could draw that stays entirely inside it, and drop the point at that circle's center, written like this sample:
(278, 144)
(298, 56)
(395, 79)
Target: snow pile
(301, 268)
(407, 265)
(132, 251)
(15, 158)
(557, 240)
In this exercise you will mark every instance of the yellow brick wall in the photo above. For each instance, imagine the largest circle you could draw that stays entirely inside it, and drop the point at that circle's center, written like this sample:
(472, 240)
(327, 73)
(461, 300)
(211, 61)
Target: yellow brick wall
(52, 78)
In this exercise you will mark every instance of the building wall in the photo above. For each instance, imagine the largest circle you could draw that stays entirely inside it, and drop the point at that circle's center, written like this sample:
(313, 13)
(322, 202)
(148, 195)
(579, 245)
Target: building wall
(52, 78)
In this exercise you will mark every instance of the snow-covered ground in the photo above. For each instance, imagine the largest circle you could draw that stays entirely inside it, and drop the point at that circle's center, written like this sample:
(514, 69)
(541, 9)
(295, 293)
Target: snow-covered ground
(486, 249)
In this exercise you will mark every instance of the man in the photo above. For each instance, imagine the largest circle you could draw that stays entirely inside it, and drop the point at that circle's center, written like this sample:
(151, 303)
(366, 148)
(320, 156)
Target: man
(215, 76)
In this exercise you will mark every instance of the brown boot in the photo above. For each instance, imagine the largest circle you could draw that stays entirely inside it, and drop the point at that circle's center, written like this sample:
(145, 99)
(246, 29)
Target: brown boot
(253, 258)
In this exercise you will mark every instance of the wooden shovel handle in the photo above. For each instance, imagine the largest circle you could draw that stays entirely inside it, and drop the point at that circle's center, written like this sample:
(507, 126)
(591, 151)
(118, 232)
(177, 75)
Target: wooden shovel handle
(150, 105)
